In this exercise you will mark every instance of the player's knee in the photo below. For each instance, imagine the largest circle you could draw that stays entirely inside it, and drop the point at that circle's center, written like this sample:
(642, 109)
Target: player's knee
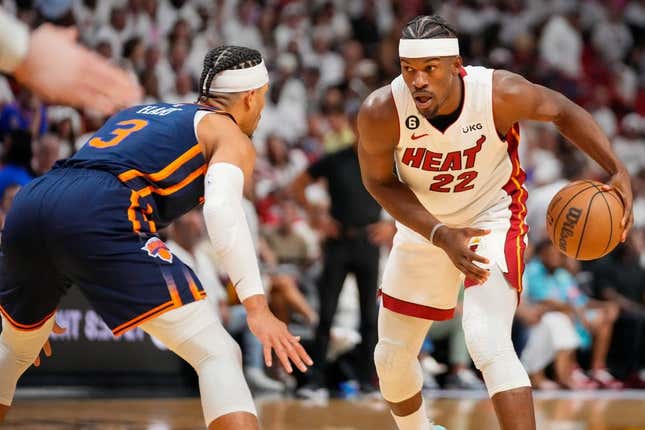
(505, 372)
(483, 345)
(398, 370)
(202, 348)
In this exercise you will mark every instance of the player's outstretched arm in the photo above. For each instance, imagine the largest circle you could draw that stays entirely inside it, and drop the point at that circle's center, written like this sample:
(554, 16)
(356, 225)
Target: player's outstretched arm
(515, 99)
(53, 65)
(231, 157)
(378, 128)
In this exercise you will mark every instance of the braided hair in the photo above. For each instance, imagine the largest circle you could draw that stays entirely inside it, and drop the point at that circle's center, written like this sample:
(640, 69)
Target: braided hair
(222, 58)
(428, 27)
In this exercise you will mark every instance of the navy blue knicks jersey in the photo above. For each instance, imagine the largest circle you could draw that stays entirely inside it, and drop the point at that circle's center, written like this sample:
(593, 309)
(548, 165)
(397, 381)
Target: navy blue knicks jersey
(152, 149)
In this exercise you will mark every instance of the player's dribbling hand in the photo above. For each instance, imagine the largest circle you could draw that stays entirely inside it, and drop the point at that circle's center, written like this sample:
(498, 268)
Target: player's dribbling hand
(47, 348)
(622, 184)
(275, 336)
(454, 242)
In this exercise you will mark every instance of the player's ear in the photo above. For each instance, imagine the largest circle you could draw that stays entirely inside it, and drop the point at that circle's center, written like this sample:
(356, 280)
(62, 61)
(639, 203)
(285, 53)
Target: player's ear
(458, 64)
(249, 98)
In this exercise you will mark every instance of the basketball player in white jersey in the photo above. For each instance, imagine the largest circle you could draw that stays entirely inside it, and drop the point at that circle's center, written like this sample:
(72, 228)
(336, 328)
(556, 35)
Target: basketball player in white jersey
(452, 134)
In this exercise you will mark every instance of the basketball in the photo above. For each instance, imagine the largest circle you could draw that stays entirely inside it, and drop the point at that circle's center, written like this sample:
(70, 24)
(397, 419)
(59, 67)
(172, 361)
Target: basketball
(583, 221)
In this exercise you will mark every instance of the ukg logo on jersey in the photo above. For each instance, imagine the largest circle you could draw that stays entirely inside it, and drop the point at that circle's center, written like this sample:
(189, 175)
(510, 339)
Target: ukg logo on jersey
(472, 127)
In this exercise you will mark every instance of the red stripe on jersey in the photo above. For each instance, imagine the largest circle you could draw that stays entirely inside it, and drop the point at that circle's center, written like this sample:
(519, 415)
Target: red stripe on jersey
(515, 245)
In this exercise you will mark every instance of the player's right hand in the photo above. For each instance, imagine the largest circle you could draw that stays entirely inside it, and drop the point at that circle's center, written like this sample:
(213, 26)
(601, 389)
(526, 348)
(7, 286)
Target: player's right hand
(454, 242)
(60, 70)
(275, 336)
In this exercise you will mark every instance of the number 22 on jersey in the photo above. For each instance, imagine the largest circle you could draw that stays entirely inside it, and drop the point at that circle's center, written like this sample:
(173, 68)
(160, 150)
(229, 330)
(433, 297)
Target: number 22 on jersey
(129, 126)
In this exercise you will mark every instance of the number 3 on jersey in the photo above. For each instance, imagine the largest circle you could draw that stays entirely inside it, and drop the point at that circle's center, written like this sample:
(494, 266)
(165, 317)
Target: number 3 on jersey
(131, 126)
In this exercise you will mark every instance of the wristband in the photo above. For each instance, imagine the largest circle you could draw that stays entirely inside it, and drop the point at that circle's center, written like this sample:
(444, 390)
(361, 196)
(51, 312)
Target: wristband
(434, 230)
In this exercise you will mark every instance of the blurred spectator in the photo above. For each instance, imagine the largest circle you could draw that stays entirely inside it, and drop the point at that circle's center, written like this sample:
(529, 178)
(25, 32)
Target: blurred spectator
(340, 134)
(638, 184)
(353, 236)
(630, 145)
(561, 44)
(621, 279)
(16, 160)
(552, 338)
(279, 167)
(26, 113)
(611, 37)
(46, 151)
(241, 28)
(286, 258)
(555, 288)
(330, 63)
(134, 52)
(183, 89)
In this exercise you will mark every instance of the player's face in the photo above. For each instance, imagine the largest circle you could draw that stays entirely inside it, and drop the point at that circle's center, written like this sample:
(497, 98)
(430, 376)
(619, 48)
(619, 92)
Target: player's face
(430, 81)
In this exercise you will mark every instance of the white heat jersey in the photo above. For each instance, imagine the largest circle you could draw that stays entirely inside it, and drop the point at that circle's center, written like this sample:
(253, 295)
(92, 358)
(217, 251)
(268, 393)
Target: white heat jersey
(461, 173)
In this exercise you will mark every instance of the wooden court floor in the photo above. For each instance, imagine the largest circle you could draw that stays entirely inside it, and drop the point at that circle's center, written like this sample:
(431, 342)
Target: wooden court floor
(277, 414)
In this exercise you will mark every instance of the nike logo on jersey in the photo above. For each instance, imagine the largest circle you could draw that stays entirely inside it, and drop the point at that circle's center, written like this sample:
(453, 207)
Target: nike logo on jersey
(472, 127)
(414, 137)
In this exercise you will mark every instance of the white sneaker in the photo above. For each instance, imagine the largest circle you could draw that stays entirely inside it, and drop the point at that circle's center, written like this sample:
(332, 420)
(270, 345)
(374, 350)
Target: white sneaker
(313, 392)
(258, 380)
(432, 366)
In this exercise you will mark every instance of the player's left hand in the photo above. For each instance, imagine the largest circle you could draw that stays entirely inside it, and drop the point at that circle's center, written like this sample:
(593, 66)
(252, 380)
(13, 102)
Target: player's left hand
(47, 348)
(622, 184)
(275, 336)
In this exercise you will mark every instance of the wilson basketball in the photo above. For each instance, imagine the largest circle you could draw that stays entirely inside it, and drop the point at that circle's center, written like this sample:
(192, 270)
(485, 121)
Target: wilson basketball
(583, 221)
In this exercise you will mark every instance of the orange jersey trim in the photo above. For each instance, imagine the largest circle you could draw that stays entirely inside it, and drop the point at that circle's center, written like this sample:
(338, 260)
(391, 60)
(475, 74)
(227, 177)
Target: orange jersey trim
(193, 286)
(132, 215)
(152, 313)
(174, 188)
(26, 327)
(166, 171)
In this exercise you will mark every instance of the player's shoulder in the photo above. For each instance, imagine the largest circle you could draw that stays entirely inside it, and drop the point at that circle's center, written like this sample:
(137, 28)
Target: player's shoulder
(215, 129)
(379, 106)
(507, 84)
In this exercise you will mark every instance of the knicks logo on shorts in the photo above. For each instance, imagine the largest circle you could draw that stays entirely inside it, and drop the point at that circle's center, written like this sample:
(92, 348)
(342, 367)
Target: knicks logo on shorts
(156, 248)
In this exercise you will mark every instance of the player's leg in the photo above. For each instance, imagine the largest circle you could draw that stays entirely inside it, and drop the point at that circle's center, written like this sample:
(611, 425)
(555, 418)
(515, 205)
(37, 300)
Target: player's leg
(195, 334)
(30, 285)
(398, 367)
(18, 350)
(487, 322)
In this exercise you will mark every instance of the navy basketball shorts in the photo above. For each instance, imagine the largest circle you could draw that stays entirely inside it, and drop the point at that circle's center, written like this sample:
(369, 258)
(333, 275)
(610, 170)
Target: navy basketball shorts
(84, 227)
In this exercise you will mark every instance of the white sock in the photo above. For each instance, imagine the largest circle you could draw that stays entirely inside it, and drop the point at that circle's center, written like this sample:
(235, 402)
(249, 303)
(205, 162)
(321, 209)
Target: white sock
(417, 420)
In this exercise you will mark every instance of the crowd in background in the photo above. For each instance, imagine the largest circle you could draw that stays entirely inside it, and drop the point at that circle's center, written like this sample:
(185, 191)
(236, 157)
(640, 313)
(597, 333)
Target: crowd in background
(578, 324)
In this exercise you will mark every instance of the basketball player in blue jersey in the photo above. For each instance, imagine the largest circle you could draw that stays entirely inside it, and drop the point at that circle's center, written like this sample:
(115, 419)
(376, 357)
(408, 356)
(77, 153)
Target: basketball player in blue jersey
(451, 133)
(92, 221)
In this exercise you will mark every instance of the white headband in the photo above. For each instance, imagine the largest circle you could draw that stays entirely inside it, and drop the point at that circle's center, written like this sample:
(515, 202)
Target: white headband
(238, 80)
(422, 48)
